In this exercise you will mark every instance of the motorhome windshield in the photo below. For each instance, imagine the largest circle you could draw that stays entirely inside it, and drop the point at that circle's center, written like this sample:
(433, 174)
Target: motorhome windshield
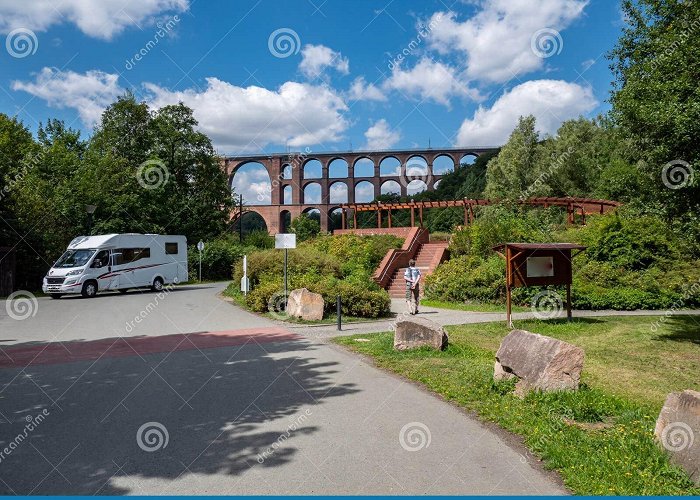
(74, 258)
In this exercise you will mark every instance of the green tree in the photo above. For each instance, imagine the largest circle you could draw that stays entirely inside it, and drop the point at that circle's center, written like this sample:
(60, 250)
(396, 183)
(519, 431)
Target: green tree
(656, 97)
(511, 174)
(305, 227)
(196, 198)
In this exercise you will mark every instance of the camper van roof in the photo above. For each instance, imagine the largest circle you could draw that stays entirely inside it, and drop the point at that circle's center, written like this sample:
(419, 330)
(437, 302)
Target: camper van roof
(91, 241)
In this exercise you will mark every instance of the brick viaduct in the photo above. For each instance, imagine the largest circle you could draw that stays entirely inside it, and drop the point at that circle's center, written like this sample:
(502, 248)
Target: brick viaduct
(288, 182)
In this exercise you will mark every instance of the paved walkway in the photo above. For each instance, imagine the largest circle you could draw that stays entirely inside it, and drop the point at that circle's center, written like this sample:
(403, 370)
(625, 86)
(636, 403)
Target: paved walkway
(447, 317)
(200, 397)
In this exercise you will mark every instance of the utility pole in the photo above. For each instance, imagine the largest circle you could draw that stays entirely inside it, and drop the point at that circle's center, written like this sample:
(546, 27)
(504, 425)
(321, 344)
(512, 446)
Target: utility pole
(240, 221)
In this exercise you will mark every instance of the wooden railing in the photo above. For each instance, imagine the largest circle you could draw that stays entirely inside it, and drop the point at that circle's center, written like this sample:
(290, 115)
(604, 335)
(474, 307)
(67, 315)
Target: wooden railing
(397, 258)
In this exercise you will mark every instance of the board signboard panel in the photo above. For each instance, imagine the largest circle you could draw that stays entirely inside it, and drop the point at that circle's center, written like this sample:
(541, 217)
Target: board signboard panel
(539, 267)
(285, 240)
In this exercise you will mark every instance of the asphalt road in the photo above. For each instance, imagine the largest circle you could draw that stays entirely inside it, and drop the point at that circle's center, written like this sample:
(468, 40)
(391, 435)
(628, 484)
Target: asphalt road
(200, 397)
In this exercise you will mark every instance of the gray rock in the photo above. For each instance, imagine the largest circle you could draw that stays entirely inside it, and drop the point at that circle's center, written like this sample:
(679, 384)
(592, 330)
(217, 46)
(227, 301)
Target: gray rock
(306, 305)
(678, 430)
(539, 362)
(410, 333)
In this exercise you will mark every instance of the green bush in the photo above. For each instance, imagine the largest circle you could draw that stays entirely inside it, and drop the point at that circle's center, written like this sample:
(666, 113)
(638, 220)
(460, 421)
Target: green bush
(217, 258)
(501, 224)
(259, 239)
(358, 254)
(467, 278)
(301, 260)
(305, 227)
(363, 300)
(328, 265)
(629, 240)
(633, 261)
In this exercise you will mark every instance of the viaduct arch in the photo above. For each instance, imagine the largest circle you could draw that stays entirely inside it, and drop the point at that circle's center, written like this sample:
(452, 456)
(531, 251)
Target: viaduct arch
(286, 172)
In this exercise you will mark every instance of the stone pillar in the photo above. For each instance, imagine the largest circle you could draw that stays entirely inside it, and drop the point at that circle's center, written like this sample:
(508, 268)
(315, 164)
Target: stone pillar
(351, 190)
(323, 209)
(274, 169)
(325, 184)
(297, 178)
(377, 183)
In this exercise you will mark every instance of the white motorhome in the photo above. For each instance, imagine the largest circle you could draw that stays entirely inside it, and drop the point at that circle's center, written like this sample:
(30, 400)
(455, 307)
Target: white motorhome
(118, 262)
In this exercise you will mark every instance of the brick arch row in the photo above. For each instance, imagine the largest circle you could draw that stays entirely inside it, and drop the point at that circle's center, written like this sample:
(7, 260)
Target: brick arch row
(296, 185)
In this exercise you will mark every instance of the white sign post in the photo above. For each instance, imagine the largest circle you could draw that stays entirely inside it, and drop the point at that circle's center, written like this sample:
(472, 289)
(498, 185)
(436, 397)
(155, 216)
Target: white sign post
(200, 247)
(245, 284)
(286, 241)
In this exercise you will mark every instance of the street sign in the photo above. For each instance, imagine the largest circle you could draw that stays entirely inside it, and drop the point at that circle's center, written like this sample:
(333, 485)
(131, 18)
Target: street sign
(200, 246)
(286, 240)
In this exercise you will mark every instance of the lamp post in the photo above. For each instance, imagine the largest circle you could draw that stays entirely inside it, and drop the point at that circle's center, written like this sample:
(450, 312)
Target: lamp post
(90, 209)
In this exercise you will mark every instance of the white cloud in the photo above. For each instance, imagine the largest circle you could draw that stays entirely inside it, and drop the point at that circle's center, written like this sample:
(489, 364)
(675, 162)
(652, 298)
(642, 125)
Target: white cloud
(430, 80)
(98, 19)
(360, 90)
(253, 182)
(496, 41)
(380, 136)
(550, 101)
(235, 118)
(88, 93)
(364, 192)
(315, 59)
(249, 118)
(338, 193)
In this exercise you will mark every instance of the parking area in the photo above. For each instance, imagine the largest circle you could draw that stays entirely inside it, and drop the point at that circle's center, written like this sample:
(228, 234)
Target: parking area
(200, 397)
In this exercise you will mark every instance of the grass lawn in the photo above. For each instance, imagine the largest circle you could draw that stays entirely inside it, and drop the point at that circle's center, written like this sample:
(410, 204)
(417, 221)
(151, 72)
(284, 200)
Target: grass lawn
(472, 306)
(628, 371)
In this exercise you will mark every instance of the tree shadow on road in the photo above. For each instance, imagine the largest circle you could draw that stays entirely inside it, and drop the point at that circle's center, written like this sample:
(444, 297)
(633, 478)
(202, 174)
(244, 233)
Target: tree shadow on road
(224, 410)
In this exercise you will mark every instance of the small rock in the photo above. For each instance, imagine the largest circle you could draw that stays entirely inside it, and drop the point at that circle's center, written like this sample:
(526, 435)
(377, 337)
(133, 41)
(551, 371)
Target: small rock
(306, 305)
(417, 332)
(678, 430)
(539, 362)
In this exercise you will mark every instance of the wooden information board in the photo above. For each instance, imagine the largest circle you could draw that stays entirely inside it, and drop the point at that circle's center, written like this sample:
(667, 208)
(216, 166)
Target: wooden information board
(538, 264)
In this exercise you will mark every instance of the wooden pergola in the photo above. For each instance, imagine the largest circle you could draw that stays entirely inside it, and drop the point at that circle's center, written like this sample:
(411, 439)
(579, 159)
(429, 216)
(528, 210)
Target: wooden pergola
(581, 206)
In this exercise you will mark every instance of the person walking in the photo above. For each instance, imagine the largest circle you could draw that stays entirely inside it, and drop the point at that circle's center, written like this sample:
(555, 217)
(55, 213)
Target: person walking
(412, 277)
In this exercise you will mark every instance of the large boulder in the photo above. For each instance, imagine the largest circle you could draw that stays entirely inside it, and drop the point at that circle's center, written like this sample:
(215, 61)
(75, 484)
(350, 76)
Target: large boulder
(410, 333)
(539, 362)
(306, 305)
(678, 430)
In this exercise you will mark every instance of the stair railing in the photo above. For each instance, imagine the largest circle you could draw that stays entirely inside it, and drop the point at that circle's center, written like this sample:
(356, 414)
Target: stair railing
(397, 258)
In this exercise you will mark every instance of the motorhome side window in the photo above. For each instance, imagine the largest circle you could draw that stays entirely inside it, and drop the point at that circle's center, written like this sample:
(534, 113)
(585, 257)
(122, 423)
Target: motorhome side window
(126, 255)
(170, 248)
(101, 259)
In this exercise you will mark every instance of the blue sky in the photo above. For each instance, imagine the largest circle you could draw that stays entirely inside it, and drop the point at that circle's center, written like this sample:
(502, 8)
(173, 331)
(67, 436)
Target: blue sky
(264, 76)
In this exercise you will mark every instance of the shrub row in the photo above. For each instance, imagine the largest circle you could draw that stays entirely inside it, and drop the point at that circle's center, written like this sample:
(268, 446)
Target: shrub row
(328, 265)
(632, 261)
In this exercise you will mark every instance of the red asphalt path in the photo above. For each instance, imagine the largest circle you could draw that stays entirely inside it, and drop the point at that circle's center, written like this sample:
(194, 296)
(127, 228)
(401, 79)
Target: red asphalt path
(117, 347)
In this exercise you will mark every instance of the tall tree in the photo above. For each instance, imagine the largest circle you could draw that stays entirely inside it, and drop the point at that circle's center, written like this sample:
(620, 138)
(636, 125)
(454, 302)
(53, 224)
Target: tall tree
(511, 174)
(656, 97)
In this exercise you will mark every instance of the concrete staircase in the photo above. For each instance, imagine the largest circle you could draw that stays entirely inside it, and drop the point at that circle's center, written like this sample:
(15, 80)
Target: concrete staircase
(428, 257)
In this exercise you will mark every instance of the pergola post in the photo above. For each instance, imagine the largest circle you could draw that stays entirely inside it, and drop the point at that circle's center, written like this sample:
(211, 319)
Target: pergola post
(354, 218)
(379, 218)
(343, 222)
(389, 217)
